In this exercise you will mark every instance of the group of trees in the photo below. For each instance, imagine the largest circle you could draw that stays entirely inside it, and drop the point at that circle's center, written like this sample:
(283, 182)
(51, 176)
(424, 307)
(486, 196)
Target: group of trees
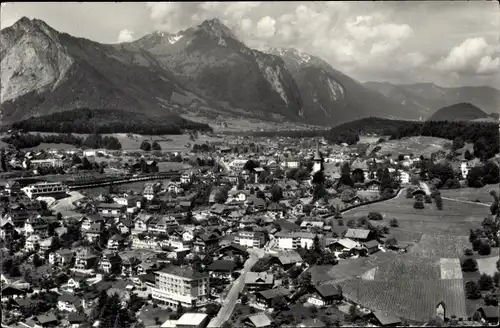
(110, 313)
(28, 140)
(146, 146)
(479, 176)
(85, 120)
(317, 254)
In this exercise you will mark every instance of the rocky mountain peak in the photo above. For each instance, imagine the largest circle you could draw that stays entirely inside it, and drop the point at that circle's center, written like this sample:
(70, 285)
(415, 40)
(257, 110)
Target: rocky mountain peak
(217, 28)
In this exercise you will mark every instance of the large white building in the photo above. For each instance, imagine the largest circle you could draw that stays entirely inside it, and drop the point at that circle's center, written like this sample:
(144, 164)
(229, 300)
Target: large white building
(45, 189)
(251, 238)
(292, 240)
(237, 164)
(175, 284)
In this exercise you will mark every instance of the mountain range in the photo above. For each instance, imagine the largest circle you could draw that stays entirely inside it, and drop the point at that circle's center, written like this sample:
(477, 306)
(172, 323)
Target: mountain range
(204, 71)
(427, 98)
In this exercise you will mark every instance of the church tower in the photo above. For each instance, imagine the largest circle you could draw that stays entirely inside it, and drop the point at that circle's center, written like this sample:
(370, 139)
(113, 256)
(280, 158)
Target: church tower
(318, 160)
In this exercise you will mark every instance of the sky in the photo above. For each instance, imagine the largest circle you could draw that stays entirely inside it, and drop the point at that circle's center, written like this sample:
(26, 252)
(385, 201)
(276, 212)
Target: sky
(449, 43)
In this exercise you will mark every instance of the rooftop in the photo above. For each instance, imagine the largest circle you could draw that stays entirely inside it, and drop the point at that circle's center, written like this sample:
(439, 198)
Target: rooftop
(185, 272)
(191, 319)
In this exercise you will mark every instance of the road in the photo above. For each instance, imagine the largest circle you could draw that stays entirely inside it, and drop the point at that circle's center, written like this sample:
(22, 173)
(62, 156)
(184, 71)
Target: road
(232, 297)
(466, 201)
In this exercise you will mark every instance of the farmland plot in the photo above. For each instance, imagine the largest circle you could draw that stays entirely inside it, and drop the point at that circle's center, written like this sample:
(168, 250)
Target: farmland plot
(440, 246)
(407, 298)
(487, 265)
(471, 194)
(450, 268)
(408, 267)
(455, 219)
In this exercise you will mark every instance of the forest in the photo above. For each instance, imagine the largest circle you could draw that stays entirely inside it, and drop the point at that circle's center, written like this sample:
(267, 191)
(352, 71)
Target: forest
(85, 120)
(96, 141)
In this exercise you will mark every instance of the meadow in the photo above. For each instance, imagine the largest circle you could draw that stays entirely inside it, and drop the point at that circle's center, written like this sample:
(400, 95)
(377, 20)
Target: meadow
(412, 145)
(456, 219)
(471, 194)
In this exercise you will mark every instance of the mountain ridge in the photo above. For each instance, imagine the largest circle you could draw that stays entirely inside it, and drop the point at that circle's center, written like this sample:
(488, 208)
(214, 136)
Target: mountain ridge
(204, 71)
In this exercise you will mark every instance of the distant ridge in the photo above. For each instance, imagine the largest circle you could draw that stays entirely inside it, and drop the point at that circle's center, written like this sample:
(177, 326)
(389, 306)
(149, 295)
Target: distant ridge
(459, 112)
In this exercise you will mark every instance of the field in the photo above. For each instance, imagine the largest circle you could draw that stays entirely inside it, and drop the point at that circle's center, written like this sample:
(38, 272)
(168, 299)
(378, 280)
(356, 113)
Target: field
(132, 142)
(416, 145)
(455, 219)
(437, 246)
(44, 146)
(451, 269)
(408, 298)
(408, 267)
(471, 194)
(487, 265)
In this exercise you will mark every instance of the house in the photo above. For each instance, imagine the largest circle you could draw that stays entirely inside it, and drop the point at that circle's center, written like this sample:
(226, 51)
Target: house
(76, 320)
(110, 262)
(95, 232)
(240, 195)
(12, 188)
(344, 245)
(307, 225)
(266, 298)
(71, 286)
(162, 225)
(32, 242)
(61, 257)
(206, 242)
(111, 210)
(371, 246)
(90, 219)
(150, 190)
(36, 225)
(6, 229)
(231, 251)
(289, 258)
(173, 286)
(404, 177)
(488, 314)
(222, 269)
(124, 225)
(290, 163)
(258, 281)
(68, 303)
(384, 319)
(141, 223)
(294, 240)
(193, 320)
(260, 320)
(174, 188)
(187, 177)
(255, 239)
(46, 244)
(86, 259)
(325, 295)
(359, 235)
(47, 320)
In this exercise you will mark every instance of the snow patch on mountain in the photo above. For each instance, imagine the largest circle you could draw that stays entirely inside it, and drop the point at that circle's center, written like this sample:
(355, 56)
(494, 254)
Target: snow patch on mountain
(174, 38)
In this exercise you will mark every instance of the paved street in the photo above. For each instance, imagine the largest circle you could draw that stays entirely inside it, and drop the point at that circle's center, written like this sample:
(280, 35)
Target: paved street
(238, 285)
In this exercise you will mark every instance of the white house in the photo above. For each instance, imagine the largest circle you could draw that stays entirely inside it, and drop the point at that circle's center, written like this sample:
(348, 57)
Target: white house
(251, 238)
(292, 240)
(404, 177)
(31, 242)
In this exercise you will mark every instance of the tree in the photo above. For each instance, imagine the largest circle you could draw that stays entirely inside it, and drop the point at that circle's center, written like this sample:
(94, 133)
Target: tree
(409, 193)
(305, 280)
(278, 303)
(394, 223)
(145, 145)
(458, 143)
(391, 242)
(428, 199)
(386, 180)
(347, 195)
(3, 160)
(351, 223)
(469, 265)
(439, 202)
(375, 216)
(496, 278)
(353, 313)
(468, 252)
(212, 309)
(472, 290)
(467, 155)
(260, 194)
(155, 145)
(180, 309)
(492, 298)
(276, 193)
(485, 282)
(14, 271)
(484, 248)
(418, 205)
(358, 175)
(345, 175)
(86, 164)
(250, 165)
(244, 299)
(475, 177)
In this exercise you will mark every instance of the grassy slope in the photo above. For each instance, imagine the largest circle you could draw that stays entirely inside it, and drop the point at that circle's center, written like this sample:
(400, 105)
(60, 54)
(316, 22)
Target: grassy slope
(416, 145)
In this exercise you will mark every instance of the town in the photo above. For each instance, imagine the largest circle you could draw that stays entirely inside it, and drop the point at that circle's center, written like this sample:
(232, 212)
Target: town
(246, 231)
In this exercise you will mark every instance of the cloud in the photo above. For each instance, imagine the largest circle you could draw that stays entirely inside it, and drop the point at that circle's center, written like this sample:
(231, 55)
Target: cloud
(266, 27)
(472, 56)
(125, 36)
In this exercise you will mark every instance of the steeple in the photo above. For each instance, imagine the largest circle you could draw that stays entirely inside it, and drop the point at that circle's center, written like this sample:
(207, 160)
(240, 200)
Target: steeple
(317, 155)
